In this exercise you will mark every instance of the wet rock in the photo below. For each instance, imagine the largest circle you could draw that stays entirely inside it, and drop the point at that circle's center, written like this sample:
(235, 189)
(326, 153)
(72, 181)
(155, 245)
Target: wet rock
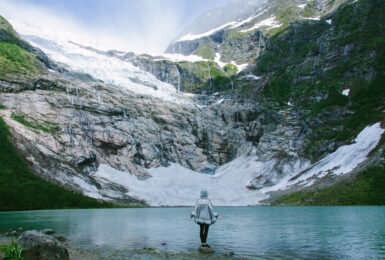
(10, 234)
(206, 250)
(48, 231)
(39, 246)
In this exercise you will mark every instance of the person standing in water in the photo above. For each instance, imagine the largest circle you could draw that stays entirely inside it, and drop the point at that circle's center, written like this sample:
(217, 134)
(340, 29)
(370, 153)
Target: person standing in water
(204, 215)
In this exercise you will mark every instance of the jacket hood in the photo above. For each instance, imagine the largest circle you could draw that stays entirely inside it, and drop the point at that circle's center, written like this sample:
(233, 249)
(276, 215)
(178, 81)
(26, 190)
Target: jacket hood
(204, 194)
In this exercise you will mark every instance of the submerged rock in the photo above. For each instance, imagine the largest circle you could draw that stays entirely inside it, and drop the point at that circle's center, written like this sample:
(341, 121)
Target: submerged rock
(39, 246)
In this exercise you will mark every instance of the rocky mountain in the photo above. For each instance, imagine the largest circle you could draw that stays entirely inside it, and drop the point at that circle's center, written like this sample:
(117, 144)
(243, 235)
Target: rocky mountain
(284, 96)
(242, 36)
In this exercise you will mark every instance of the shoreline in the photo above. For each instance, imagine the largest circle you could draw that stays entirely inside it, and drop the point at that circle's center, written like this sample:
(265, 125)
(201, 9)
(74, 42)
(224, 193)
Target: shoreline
(103, 253)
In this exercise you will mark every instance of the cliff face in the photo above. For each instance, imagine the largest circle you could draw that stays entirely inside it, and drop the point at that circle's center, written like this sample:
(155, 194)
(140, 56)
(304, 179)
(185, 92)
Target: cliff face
(67, 127)
(310, 88)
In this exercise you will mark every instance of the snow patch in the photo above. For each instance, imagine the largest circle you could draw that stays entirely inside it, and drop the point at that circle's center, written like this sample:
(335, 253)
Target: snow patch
(221, 64)
(218, 61)
(250, 76)
(329, 21)
(176, 185)
(302, 6)
(247, 20)
(346, 92)
(220, 101)
(240, 66)
(232, 24)
(87, 189)
(312, 18)
(190, 37)
(181, 57)
(269, 22)
(344, 160)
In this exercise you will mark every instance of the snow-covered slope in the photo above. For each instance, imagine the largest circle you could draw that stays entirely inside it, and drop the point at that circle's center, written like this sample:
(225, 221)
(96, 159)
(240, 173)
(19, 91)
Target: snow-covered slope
(176, 185)
(67, 48)
(233, 14)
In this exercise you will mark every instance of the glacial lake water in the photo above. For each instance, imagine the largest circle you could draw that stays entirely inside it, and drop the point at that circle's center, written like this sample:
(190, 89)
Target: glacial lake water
(252, 232)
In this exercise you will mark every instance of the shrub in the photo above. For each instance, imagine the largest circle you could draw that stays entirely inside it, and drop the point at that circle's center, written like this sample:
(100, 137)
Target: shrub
(13, 251)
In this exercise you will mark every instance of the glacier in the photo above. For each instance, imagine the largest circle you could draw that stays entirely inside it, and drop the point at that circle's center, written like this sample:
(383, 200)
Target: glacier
(68, 49)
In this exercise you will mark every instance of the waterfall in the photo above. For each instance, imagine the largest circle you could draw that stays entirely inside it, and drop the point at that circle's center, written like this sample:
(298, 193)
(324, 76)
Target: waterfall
(70, 132)
(176, 67)
(209, 92)
(231, 81)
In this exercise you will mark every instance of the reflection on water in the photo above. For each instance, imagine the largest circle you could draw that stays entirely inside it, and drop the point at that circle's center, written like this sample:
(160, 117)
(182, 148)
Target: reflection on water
(268, 232)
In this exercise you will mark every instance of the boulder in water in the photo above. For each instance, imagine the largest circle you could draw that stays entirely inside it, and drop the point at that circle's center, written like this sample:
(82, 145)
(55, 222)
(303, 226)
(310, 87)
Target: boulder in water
(39, 246)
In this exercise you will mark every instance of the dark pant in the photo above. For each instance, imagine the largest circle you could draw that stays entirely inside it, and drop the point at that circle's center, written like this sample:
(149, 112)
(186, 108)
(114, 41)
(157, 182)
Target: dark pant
(204, 232)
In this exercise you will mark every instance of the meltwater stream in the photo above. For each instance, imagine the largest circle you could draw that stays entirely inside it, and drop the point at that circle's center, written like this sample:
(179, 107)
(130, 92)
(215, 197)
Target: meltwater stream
(252, 232)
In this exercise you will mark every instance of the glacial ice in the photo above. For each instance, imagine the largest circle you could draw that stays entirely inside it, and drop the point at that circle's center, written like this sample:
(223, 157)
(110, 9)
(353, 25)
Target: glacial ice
(63, 47)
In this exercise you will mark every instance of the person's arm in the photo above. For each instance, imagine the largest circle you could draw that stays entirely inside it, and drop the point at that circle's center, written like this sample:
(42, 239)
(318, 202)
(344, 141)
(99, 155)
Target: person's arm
(194, 213)
(212, 210)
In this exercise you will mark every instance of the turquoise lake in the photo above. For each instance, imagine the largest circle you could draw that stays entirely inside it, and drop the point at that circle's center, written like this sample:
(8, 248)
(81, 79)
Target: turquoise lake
(252, 232)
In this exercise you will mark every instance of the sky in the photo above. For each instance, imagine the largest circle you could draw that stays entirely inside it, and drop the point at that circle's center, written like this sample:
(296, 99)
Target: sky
(142, 26)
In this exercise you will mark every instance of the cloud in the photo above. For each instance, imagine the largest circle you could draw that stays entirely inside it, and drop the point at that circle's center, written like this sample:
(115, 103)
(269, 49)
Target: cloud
(142, 26)
(149, 30)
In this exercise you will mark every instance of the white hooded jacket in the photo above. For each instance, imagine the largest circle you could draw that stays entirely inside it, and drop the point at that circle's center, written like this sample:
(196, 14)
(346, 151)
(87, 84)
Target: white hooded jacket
(204, 212)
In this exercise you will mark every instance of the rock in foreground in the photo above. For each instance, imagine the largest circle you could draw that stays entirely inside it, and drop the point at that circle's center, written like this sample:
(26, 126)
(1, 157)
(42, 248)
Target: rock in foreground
(206, 250)
(39, 246)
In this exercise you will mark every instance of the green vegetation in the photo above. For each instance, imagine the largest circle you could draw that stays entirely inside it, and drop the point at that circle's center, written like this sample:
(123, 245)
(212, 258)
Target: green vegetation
(287, 12)
(231, 69)
(205, 51)
(20, 189)
(367, 188)
(12, 251)
(302, 70)
(21, 119)
(5, 26)
(51, 123)
(15, 61)
(279, 89)
(235, 33)
(2, 106)
(202, 72)
(309, 10)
